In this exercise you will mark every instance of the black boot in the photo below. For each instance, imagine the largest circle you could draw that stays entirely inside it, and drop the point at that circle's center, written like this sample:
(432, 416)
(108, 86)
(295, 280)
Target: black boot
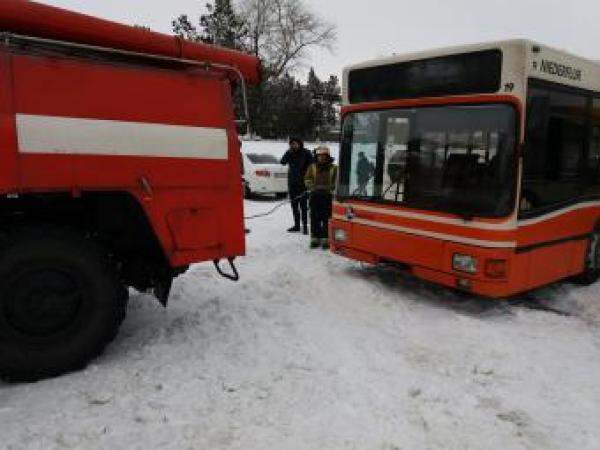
(305, 229)
(294, 229)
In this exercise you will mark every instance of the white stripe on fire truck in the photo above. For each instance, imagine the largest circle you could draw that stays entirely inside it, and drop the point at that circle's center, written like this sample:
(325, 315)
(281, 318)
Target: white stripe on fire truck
(75, 136)
(429, 234)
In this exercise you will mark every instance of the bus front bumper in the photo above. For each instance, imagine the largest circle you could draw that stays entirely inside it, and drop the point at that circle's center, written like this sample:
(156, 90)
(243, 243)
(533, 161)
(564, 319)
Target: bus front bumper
(496, 272)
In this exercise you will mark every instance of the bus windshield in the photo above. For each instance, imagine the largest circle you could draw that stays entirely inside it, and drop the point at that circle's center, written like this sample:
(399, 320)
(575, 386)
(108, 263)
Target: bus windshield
(458, 159)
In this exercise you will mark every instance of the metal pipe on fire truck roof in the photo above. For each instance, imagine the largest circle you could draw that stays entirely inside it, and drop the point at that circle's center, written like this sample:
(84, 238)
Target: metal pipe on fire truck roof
(207, 65)
(35, 19)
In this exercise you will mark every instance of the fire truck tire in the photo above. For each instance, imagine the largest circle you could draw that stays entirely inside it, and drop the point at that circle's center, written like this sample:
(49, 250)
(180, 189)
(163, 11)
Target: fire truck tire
(61, 303)
(591, 273)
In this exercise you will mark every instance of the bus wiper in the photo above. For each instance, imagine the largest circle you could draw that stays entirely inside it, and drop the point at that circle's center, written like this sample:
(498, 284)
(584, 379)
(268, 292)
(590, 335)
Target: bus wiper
(466, 216)
(447, 206)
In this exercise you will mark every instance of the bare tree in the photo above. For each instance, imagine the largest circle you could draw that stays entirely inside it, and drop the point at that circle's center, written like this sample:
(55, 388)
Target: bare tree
(185, 29)
(281, 32)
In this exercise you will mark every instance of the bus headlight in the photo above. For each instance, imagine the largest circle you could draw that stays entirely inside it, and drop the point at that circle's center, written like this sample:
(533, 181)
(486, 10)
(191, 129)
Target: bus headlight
(340, 235)
(464, 263)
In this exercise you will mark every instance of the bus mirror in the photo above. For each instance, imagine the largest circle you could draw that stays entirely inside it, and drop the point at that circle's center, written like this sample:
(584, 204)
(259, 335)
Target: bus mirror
(242, 127)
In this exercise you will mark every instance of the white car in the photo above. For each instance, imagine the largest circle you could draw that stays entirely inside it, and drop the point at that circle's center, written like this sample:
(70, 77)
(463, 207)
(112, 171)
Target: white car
(263, 174)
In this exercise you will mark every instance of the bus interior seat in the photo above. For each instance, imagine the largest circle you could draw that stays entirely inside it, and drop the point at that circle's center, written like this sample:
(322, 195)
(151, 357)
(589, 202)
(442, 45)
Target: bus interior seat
(461, 171)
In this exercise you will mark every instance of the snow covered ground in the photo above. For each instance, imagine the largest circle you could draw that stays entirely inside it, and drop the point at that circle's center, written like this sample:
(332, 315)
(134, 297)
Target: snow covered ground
(311, 351)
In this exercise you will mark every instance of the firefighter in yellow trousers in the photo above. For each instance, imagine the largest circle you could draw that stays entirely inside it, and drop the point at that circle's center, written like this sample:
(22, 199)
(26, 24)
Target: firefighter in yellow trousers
(320, 180)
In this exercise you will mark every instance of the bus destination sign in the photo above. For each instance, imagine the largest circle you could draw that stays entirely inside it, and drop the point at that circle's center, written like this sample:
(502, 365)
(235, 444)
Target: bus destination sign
(559, 70)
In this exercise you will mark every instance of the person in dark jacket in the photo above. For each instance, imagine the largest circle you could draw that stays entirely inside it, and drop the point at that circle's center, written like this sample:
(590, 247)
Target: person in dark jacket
(320, 179)
(364, 173)
(298, 159)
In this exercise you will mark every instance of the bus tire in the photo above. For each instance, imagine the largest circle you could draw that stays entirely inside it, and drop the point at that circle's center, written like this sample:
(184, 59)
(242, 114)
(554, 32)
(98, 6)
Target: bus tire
(61, 303)
(591, 274)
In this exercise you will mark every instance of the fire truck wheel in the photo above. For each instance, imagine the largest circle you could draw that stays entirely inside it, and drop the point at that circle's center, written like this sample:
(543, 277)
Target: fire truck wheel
(61, 303)
(592, 266)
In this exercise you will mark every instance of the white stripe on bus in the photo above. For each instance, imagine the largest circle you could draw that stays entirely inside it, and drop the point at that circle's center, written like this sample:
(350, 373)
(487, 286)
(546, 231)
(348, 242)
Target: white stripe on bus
(75, 136)
(504, 226)
(558, 213)
(429, 234)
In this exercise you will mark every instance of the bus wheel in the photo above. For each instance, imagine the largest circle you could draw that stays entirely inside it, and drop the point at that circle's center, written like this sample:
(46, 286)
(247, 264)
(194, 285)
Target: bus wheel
(61, 303)
(591, 273)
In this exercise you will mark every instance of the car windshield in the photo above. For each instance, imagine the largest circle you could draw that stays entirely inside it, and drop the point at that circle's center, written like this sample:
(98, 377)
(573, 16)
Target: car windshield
(457, 159)
(256, 158)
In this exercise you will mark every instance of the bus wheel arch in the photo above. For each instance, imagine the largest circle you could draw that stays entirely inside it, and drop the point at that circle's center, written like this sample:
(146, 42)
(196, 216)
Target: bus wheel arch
(591, 272)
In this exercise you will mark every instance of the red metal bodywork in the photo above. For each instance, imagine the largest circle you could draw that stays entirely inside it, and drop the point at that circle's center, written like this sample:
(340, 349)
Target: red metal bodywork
(194, 205)
(36, 19)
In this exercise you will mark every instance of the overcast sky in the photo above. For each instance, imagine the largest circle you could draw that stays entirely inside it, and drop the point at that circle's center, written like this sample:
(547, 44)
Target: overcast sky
(372, 28)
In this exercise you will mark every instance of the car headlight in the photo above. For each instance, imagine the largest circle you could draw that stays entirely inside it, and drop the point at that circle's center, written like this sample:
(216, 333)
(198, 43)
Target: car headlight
(464, 263)
(340, 235)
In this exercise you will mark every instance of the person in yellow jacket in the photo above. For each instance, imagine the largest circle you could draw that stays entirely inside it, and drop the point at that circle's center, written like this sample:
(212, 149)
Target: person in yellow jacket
(320, 180)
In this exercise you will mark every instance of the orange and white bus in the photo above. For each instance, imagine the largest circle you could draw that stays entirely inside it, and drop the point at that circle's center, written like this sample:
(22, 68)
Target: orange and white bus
(477, 168)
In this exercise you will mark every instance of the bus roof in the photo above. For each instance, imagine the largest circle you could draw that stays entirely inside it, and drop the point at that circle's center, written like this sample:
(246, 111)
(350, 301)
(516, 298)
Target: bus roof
(521, 59)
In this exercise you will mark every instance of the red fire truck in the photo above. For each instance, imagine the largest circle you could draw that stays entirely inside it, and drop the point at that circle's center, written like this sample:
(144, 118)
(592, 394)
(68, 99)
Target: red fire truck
(119, 168)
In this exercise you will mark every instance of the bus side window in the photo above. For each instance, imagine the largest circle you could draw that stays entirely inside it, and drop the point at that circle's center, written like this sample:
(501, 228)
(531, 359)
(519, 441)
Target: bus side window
(556, 139)
(593, 159)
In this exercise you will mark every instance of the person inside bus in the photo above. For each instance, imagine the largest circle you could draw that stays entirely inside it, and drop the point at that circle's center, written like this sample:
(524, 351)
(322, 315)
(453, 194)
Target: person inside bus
(320, 180)
(298, 159)
(364, 172)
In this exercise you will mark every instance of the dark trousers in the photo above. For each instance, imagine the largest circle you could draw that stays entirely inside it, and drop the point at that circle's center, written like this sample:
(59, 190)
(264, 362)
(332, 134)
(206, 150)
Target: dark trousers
(320, 213)
(299, 205)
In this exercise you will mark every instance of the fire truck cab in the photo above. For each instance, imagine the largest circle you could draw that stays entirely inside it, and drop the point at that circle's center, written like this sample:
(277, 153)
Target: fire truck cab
(119, 167)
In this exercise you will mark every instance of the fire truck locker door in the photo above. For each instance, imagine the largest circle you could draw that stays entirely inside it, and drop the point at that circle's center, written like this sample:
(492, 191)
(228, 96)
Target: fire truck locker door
(9, 179)
(195, 229)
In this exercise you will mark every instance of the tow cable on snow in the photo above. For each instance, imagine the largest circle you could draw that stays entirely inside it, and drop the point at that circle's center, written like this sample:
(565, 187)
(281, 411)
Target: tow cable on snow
(234, 277)
(272, 211)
